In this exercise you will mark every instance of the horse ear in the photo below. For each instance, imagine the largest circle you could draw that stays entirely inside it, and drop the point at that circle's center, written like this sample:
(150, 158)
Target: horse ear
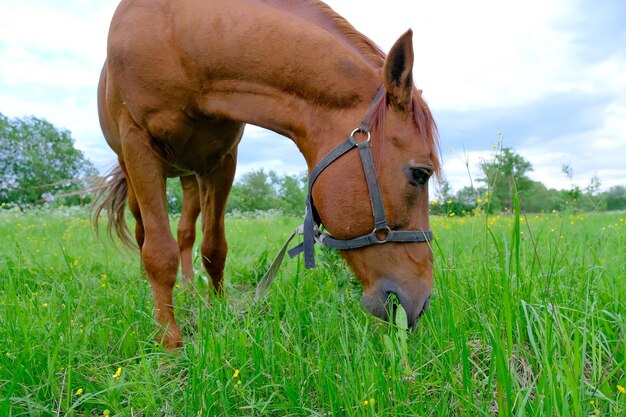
(397, 72)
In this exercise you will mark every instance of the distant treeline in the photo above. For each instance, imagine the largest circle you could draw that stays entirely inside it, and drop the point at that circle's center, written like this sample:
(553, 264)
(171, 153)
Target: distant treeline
(266, 190)
(40, 165)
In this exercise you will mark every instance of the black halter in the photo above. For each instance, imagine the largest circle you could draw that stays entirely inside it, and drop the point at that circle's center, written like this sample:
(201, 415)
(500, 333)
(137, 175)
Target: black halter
(382, 233)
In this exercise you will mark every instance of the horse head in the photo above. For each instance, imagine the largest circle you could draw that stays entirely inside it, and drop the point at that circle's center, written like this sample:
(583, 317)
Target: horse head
(394, 255)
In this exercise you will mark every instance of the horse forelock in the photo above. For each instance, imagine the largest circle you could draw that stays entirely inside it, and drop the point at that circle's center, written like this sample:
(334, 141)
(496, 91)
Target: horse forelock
(424, 121)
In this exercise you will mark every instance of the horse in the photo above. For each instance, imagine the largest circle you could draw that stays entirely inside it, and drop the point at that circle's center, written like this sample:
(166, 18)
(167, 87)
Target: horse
(183, 77)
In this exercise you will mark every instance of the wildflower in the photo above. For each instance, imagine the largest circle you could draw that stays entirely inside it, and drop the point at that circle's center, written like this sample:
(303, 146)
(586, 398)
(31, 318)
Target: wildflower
(8, 354)
(553, 210)
(452, 214)
(106, 413)
(239, 382)
(44, 305)
(117, 373)
(79, 392)
(480, 200)
(365, 402)
(621, 389)
(236, 374)
(435, 202)
(449, 201)
(104, 276)
(592, 402)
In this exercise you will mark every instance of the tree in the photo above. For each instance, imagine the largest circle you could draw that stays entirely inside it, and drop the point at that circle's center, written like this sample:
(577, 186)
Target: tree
(38, 161)
(255, 191)
(260, 191)
(504, 174)
(292, 194)
(615, 198)
(538, 198)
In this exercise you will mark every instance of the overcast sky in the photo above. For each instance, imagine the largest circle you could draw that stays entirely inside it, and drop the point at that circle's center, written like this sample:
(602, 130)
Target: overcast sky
(549, 74)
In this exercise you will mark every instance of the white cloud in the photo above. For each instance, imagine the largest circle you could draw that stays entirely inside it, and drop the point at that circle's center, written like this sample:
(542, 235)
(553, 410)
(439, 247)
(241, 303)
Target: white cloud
(478, 56)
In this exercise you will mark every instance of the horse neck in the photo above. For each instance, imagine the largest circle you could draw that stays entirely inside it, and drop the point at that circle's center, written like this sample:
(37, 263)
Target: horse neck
(315, 127)
(316, 99)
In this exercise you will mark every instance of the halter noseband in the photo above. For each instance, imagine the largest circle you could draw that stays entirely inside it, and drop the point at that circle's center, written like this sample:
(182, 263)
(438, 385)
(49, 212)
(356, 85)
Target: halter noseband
(382, 233)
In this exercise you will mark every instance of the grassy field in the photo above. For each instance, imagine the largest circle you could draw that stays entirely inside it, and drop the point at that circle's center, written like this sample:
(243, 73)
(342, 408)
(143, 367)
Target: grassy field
(527, 319)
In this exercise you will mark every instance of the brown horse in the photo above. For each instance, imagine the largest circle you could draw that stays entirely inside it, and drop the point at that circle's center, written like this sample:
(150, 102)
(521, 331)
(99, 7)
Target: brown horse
(183, 77)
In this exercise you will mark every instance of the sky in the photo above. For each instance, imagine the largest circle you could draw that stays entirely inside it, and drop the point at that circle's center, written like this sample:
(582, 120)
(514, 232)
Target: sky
(545, 77)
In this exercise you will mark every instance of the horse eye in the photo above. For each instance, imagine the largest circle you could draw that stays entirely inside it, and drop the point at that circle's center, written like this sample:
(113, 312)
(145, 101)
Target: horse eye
(419, 176)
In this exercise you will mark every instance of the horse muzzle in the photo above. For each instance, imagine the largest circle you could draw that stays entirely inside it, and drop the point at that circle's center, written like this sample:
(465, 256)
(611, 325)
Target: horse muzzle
(378, 301)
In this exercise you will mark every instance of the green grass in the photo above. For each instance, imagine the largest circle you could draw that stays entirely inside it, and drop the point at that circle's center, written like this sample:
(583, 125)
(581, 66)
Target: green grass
(527, 319)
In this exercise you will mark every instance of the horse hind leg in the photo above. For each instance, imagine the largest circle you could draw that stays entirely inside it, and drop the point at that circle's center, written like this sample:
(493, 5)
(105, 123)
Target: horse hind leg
(214, 190)
(133, 205)
(187, 224)
(146, 172)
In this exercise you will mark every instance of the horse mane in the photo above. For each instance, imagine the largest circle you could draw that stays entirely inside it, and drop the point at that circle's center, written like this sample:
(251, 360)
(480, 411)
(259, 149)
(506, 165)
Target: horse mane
(422, 115)
(366, 47)
(325, 17)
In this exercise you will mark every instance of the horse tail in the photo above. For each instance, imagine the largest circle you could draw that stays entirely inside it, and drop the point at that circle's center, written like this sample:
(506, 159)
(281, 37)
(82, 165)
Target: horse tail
(111, 196)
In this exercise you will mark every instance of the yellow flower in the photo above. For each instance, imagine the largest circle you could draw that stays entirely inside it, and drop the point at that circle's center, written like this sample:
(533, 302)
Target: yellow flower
(621, 389)
(104, 276)
(239, 382)
(592, 402)
(236, 374)
(449, 201)
(365, 402)
(117, 373)
(435, 202)
(8, 354)
(44, 305)
(486, 200)
(480, 200)
(106, 413)
(452, 214)
(79, 392)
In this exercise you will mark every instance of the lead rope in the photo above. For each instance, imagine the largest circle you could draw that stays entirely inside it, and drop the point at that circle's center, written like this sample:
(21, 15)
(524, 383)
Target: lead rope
(267, 279)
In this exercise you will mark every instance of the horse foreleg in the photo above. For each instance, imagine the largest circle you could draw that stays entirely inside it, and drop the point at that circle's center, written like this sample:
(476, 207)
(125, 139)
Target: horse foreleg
(146, 172)
(214, 190)
(187, 224)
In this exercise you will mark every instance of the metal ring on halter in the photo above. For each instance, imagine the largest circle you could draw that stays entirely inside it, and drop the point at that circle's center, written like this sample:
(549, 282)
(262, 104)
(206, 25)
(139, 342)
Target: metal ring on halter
(385, 229)
(361, 130)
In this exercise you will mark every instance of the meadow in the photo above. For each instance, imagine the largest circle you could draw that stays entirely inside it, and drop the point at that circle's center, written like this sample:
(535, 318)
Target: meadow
(527, 318)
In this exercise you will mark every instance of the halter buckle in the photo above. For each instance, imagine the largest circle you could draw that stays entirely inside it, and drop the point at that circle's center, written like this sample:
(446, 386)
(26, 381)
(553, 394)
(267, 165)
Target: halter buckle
(361, 130)
(384, 231)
